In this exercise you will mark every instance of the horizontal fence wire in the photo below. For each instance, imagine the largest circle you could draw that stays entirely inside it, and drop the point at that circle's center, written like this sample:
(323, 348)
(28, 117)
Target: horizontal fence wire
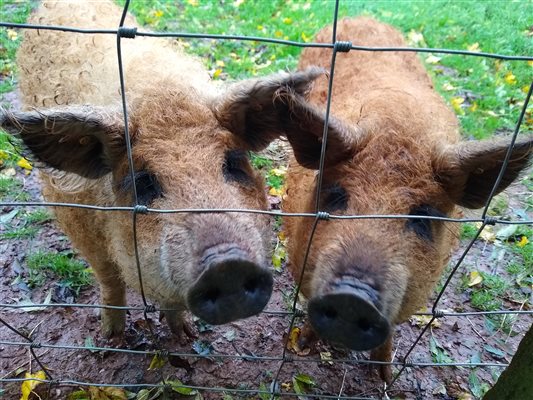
(260, 39)
(318, 216)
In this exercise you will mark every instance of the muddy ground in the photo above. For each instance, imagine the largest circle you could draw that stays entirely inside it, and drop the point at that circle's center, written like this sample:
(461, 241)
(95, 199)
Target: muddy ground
(457, 339)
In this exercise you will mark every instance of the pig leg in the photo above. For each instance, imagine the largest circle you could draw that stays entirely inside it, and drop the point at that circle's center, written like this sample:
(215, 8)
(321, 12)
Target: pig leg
(384, 353)
(112, 292)
(177, 321)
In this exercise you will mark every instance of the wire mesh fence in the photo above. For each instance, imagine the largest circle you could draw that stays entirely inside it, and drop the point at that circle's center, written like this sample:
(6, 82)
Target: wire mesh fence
(274, 390)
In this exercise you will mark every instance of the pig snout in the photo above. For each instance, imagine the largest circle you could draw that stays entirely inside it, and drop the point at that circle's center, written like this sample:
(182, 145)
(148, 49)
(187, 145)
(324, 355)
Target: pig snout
(230, 287)
(348, 314)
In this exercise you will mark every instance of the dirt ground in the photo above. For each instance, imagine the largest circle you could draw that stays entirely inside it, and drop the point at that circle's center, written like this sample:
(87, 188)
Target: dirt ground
(462, 339)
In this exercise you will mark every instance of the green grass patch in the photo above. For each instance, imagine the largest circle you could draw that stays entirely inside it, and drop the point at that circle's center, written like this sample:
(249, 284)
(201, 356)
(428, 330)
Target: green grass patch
(468, 231)
(71, 272)
(26, 232)
(17, 12)
(39, 216)
(261, 162)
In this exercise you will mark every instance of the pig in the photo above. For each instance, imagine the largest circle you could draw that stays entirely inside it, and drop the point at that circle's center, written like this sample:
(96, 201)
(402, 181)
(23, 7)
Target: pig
(190, 143)
(393, 147)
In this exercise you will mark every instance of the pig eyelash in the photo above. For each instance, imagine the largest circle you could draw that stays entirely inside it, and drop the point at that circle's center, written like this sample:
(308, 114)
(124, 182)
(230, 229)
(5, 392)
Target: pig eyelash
(236, 167)
(422, 226)
(334, 198)
(147, 185)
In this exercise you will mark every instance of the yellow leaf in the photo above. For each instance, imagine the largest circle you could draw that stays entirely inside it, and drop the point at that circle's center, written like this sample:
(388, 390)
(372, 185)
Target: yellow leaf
(3, 155)
(281, 171)
(279, 255)
(292, 343)
(107, 393)
(510, 78)
(525, 89)
(260, 27)
(433, 59)
(282, 236)
(28, 386)
(305, 38)
(277, 192)
(487, 234)
(473, 107)
(475, 278)
(474, 47)
(415, 38)
(220, 63)
(157, 362)
(287, 21)
(448, 87)
(237, 3)
(530, 63)
(23, 163)
(326, 357)
(11, 34)
(193, 3)
(158, 13)
(523, 241)
(286, 386)
(422, 320)
(456, 103)
(217, 73)
(278, 34)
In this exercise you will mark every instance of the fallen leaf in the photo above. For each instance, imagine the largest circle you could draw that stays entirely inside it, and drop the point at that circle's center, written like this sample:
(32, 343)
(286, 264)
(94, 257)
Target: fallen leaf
(28, 386)
(11, 34)
(448, 87)
(287, 21)
(23, 163)
(431, 59)
(28, 302)
(157, 362)
(523, 241)
(509, 78)
(474, 47)
(415, 38)
(325, 356)
(286, 386)
(217, 73)
(279, 255)
(456, 103)
(107, 393)
(487, 233)
(8, 172)
(475, 278)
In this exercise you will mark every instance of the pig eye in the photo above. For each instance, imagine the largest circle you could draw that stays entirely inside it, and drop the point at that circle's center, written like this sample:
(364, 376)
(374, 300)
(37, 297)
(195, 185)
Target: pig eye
(147, 185)
(334, 198)
(422, 226)
(236, 167)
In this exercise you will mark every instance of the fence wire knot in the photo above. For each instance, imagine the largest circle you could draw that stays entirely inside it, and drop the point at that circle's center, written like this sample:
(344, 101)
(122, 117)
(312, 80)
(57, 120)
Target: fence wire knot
(438, 313)
(322, 215)
(299, 313)
(490, 220)
(35, 345)
(150, 308)
(343, 47)
(140, 209)
(126, 32)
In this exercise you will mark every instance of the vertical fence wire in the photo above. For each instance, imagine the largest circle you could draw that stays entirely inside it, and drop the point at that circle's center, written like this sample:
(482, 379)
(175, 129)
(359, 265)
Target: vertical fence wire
(317, 215)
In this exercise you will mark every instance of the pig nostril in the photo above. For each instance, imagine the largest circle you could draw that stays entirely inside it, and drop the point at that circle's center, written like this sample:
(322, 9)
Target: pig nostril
(330, 313)
(212, 295)
(251, 286)
(364, 324)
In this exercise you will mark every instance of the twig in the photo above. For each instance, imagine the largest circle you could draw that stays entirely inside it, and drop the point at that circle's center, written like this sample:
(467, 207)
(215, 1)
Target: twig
(342, 384)
(474, 329)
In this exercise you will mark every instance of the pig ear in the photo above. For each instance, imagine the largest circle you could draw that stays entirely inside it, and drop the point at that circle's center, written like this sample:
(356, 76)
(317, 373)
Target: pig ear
(468, 171)
(82, 140)
(259, 111)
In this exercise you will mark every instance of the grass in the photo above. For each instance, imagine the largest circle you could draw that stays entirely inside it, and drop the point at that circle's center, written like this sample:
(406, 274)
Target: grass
(72, 273)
